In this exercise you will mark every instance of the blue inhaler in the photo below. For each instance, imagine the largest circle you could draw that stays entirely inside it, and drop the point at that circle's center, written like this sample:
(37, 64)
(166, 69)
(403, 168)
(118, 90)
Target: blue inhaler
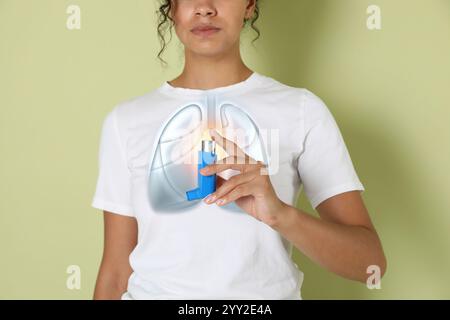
(206, 184)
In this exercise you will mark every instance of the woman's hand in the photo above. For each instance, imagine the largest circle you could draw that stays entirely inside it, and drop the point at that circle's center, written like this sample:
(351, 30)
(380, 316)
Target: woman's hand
(251, 190)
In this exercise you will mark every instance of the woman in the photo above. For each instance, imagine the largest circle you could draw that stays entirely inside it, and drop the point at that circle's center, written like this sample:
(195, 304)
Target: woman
(209, 251)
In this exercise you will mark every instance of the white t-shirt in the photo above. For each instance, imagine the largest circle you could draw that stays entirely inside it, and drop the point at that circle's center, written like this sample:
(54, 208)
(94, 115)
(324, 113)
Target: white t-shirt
(207, 252)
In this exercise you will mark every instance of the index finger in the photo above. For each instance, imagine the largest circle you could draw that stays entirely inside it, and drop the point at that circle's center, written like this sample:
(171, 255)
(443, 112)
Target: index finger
(229, 146)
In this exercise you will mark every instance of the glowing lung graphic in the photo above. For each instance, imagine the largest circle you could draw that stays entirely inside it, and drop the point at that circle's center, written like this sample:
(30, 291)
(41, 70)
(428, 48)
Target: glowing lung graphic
(173, 162)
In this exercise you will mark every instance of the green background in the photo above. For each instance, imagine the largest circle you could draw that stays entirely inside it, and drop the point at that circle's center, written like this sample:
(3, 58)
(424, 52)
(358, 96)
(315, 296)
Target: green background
(388, 90)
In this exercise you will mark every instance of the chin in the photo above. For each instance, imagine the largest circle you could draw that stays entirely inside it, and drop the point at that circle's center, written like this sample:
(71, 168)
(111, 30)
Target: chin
(208, 51)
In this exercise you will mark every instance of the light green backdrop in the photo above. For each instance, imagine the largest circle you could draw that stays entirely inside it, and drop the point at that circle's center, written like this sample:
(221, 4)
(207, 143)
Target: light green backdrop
(388, 89)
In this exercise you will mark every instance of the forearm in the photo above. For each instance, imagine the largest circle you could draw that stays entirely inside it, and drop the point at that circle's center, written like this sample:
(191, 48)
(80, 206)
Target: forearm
(343, 249)
(110, 285)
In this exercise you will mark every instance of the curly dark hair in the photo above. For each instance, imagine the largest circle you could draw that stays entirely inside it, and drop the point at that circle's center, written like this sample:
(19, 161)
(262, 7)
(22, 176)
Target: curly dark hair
(165, 22)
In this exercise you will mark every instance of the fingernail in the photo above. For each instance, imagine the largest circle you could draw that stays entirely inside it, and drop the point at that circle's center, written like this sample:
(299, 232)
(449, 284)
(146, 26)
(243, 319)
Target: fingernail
(210, 198)
(220, 202)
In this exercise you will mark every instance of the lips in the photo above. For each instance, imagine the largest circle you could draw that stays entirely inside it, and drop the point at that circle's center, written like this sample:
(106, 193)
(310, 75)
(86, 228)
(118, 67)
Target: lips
(205, 30)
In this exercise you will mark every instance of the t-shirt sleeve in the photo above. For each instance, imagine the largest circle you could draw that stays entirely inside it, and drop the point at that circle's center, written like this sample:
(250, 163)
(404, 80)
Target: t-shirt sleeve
(112, 191)
(324, 164)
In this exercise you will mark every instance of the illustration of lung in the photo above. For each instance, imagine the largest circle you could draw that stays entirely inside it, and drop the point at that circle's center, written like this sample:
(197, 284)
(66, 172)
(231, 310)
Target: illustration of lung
(173, 162)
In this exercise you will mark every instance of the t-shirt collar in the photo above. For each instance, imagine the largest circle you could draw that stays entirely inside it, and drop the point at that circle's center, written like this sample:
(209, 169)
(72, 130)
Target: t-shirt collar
(247, 84)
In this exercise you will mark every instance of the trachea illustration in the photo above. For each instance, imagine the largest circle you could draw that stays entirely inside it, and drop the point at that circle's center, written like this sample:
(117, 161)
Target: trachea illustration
(206, 184)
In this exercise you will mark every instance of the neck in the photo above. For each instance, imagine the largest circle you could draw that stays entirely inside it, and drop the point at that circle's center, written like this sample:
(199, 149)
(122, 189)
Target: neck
(203, 72)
